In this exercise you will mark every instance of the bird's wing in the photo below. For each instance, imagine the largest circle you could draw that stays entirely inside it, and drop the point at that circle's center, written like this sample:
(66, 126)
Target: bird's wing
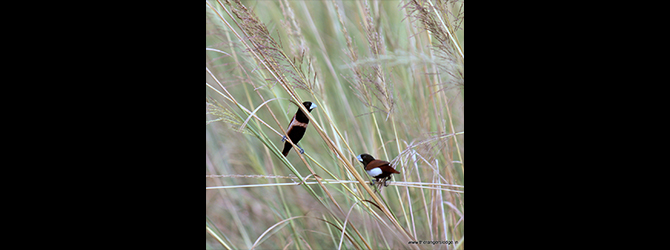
(377, 163)
(383, 165)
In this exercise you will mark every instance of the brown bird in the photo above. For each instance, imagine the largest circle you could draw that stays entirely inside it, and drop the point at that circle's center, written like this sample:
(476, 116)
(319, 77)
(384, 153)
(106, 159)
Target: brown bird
(378, 169)
(297, 127)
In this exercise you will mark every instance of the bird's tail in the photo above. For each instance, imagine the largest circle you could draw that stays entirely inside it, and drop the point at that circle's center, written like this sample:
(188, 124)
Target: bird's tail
(287, 148)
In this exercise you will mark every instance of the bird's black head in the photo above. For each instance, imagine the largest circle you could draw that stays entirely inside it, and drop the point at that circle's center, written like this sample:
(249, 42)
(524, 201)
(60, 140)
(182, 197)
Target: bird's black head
(365, 159)
(309, 106)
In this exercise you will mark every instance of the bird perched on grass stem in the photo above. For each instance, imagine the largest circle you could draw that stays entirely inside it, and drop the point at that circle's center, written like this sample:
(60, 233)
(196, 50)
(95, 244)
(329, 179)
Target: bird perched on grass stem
(297, 127)
(378, 169)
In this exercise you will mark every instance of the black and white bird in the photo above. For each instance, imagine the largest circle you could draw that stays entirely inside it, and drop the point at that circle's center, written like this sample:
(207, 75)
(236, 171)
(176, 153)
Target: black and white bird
(297, 127)
(378, 169)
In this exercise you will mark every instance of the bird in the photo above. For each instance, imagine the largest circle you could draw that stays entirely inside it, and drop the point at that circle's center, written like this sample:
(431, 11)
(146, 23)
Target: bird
(378, 169)
(297, 127)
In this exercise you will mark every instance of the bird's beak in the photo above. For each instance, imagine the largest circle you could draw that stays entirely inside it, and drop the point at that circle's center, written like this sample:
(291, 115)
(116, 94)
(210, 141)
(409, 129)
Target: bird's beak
(359, 158)
(312, 107)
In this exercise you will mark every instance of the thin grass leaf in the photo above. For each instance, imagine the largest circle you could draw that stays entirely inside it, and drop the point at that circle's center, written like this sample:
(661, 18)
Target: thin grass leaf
(254, 112)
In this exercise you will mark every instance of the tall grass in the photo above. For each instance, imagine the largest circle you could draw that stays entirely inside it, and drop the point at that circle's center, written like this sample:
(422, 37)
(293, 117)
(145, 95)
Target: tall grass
(388, 80)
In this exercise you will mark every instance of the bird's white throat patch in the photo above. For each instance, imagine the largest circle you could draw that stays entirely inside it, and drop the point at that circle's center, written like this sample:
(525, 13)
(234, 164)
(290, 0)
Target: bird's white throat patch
(374, 172)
